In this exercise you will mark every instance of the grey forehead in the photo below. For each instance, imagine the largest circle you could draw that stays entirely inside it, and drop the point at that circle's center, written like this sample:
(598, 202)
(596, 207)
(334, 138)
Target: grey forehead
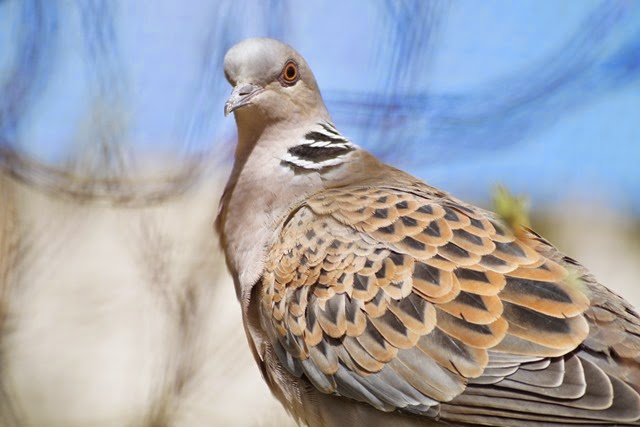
(257, 59)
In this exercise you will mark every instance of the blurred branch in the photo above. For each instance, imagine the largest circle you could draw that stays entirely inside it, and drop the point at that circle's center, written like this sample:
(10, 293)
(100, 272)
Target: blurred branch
(598, 58)
(37, 31)
(9, 252)
(119, 191)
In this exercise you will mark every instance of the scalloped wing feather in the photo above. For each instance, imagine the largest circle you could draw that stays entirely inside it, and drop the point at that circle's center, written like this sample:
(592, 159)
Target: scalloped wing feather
(411, 302)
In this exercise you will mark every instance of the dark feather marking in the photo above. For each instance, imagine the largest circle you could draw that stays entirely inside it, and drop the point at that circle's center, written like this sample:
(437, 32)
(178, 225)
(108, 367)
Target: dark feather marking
(570, 260)
(426, 209)
(432, 230)
(350, 310)
(381, 213)
(293, 365)
(476, 223)
(480, 329)
(373, 333)
(389, 229)
(381, 273)
(402, 205)
(329, 129)
(318, 154)
(531, 319)
(455, 250)
(398, 259)
(413, 243)
(323, 347)
(408, 221)
(391, 320)
(492, 261)
(360, 283)
(466, 274)
(450, 344)
(378, 298)
(469, 237)
(451, 215)
(332, 309)
(427, 273)
(297, 296)
(471, 300)
(379, 251)
(510, 248)
(545, 290)
(499, 230)
(319, 136)
(413, 305)
(461, 208)
(311, 314)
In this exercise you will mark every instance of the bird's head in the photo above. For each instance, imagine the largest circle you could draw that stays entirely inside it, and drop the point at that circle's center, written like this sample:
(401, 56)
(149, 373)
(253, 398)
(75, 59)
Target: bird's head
(271, 82)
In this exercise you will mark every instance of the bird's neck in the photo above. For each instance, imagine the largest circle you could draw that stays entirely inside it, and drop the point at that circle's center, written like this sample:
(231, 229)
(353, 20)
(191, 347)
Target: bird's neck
(276, 168)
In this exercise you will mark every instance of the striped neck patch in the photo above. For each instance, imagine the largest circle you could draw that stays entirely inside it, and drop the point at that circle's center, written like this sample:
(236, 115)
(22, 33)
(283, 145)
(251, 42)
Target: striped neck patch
(322, 147)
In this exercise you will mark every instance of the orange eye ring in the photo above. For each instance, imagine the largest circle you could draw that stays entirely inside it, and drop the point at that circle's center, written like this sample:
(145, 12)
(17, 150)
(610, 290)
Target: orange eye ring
(289, 75)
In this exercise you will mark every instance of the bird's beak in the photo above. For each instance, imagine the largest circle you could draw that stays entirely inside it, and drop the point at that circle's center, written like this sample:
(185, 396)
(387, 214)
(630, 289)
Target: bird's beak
(241, 96)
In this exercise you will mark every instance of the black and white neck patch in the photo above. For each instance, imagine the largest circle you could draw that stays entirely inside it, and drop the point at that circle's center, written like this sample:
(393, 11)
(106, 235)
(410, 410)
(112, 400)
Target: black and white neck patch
(322, 147)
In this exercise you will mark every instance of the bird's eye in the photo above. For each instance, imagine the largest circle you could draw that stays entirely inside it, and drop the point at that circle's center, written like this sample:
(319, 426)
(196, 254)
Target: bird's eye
(289, 75)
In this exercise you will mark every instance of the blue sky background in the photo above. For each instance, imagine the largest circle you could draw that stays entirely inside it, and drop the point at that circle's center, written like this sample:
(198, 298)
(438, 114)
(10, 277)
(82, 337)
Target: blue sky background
(543, 96)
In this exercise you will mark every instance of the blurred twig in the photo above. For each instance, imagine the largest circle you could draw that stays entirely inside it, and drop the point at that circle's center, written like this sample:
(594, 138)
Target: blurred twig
(9, 242)
(130, 192)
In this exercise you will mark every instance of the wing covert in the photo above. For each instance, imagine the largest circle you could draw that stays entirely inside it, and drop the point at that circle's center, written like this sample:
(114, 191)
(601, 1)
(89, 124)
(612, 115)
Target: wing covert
(403, 302)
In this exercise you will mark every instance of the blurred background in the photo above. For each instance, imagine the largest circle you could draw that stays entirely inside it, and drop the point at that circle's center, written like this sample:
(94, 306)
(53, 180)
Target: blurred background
(115, 305)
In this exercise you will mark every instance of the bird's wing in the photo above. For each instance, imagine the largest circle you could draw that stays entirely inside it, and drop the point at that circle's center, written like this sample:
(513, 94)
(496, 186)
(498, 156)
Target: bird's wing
(427, 305)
